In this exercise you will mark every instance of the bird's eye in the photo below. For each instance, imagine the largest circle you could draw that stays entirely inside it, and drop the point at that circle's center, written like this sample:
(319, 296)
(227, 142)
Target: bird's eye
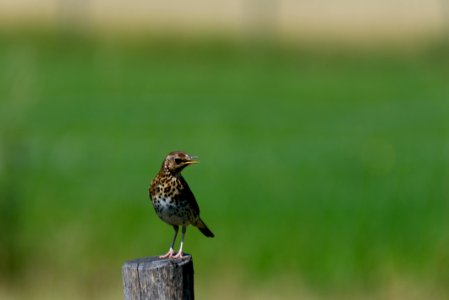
(178, 161)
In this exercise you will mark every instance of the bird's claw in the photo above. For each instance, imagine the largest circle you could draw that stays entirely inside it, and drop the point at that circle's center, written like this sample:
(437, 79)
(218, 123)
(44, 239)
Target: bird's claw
(180, 254)
(169, 254)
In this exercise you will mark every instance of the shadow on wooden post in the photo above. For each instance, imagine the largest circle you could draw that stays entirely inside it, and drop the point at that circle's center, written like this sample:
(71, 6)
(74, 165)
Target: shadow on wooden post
(155, 278)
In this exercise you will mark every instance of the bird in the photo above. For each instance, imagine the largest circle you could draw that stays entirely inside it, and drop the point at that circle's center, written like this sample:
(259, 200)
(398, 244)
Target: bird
(173, 201)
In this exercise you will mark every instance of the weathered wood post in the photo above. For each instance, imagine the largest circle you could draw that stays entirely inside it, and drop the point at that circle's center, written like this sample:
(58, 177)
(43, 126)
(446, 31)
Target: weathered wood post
(155, 278)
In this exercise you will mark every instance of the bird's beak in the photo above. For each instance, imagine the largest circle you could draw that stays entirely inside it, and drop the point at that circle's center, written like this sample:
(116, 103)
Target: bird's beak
(193, 160)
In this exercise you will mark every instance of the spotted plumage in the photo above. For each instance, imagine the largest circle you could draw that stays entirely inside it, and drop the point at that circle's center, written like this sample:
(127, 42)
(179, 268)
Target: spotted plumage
(172, 199)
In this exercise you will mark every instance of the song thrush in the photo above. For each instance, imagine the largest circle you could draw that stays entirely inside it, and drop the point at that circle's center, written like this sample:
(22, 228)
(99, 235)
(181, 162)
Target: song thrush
(173, 200)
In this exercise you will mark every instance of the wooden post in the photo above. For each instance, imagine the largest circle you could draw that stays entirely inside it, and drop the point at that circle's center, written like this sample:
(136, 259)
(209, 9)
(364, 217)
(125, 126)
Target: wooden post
(155, 278)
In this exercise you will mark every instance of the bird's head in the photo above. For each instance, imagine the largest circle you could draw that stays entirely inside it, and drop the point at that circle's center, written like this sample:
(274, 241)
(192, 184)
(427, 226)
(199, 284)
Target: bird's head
(176, 161)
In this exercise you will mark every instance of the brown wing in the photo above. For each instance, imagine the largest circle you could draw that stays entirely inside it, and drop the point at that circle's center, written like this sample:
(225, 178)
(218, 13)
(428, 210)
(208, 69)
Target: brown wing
(188, 196)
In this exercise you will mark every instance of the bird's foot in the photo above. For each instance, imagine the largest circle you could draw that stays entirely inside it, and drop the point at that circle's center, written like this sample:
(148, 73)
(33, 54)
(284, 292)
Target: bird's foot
(180, 254)
(169, 254)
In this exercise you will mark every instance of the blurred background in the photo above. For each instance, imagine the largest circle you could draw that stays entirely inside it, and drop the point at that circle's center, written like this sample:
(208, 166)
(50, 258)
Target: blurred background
(322, 129)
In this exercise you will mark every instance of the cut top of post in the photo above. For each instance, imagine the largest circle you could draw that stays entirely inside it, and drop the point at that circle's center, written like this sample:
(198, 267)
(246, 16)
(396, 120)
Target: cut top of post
(155, 278)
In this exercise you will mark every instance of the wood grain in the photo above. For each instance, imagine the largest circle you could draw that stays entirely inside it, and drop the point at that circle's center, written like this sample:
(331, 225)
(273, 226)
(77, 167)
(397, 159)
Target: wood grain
(155, 278)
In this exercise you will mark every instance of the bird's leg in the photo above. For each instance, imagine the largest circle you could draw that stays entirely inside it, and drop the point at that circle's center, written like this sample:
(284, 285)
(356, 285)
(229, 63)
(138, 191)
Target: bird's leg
(180, 254)
(170, 252)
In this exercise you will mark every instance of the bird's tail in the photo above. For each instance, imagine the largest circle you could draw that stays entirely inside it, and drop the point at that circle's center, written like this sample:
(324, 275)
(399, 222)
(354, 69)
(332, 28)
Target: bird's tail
(203, 228)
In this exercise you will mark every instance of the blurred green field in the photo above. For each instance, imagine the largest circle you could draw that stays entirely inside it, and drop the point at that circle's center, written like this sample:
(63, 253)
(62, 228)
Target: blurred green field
(323, 173)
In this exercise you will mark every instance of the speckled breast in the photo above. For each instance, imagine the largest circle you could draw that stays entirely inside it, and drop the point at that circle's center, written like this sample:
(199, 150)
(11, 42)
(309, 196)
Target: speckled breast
(169, 204)
(170, 210)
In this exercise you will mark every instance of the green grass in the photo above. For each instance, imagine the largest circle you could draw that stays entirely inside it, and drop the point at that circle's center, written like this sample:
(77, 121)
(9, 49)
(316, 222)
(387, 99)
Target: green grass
(329, 166)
